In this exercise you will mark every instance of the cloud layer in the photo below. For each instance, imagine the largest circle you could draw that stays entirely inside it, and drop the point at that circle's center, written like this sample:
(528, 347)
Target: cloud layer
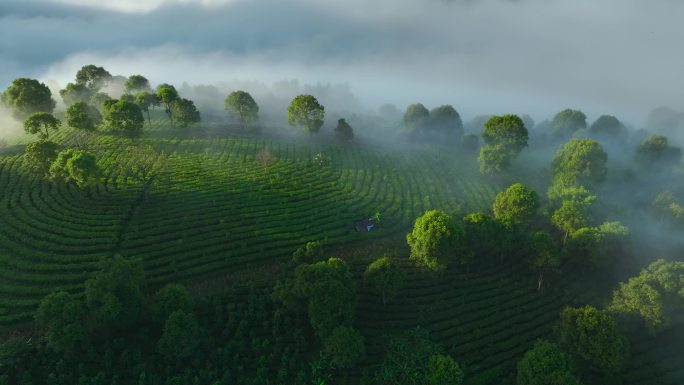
(620, 57)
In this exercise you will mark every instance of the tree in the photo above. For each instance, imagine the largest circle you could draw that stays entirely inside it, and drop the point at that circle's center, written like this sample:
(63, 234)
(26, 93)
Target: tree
(544, 255)
(113, 294)
(655, 151)
(136, 83)
(311, 252)
(343, 130)
(41, 123)
(584, 247)
(435, 241)
(566, 122)
(98, 99)
(77, 166)
(583, 159)
(305, 111)
(62, 317)
(74, 93)
(184, 112)
(443, 370)
(572, 216)
(93, 77)
(167, 94)
(170, 298)
(82, 116)
(517, 204)
(592, 336)
(146, 166)
(482, 232)
(385, 276)
(493, 159)
(39, 155)
(445, 119)
(655, 296)
(123, 115)
(145, 100)
(407, 361)
(345, 347)
(28, 96)
(608, 126)
(242, 104)
(546, 364)
(504, 136)
(507, 131)
(180, 337)
(416, 116)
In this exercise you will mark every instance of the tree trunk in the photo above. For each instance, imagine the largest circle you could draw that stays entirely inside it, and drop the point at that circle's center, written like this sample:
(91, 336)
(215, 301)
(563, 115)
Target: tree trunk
(565, 238)
(540, 280)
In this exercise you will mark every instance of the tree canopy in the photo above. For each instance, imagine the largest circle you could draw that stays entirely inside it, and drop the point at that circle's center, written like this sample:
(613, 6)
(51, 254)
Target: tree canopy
(583, 159)
(74, 92)
(656, 151)
(167, 95)
(504, 136)
(305, 111)
(343, 130)
(517, 204)
(242, 104)
(83, 116)
(180, 337)
(345, 347)
(184, 112)
(385, 276)
(593, 337)
(445, 119)
(27, 96)
(567, 122)
(63, 317)
(137, 83)
(546, 364)
(39, 155)
(77, 166)
(41, 123)
(93, 77)
(436, 240)
(416, 116)
(608, 126)
(123, 115)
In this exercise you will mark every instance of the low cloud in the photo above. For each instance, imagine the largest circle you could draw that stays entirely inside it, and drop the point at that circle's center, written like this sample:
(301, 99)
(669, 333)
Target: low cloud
(620, 57)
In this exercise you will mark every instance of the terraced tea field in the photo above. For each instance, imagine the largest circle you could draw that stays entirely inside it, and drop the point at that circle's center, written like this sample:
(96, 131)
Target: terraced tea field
(229, 202)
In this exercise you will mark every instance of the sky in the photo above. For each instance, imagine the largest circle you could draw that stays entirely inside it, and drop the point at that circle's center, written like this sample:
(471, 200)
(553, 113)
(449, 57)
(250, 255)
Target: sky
(619, 57)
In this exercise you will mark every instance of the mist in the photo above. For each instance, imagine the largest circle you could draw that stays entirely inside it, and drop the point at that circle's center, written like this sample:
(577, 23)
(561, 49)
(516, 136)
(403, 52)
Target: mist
(482, 56)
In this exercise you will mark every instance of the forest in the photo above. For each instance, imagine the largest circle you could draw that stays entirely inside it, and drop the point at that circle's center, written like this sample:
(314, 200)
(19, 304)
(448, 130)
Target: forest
(143, 241)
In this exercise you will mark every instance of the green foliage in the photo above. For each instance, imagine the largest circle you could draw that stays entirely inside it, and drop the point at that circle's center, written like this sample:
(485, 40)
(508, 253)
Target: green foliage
(167, 95)
(407, 361)
(654, 296)
(508, 131)
(39, 155)
(584, 247)
(544, 255)
(170, 298)
(546, 364)
(79, 167)
(63, 318)
(343, 130)
(180, 337)
(583, 159)
(345, 347)
(443, 370)
(311, 252)
(493, 159)
(436, 240)
(12, 351)
(113, 294)
(573, 214)
(567, 122)
(98, 99)
(665, 205)
(655, 151)
(385, 276)
(82, 116)
(184, 112)
(27, 96)
(305, 111)
(123, 115)
(136, 83)
(41, 123)
(593, 337)
(445, 119)
(482, 232)
(517, 204)
(74, 93)
(608, 126)
(93, 77)
(242, 104)
(326, 289)
(416, 116)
